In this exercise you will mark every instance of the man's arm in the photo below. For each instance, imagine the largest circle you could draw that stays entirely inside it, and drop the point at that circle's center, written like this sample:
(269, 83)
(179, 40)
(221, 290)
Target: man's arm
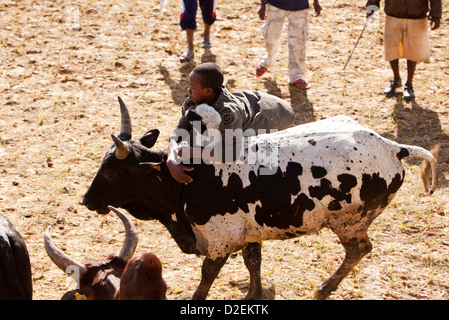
(262, 9)
(435, 14)
(174, 166)
(317, 8)
(370, 5)
(373, 3)
(181, 133)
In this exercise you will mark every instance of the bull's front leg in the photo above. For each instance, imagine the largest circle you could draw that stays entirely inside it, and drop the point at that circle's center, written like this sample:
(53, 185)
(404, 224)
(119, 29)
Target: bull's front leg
(252, 255)
(209, 271)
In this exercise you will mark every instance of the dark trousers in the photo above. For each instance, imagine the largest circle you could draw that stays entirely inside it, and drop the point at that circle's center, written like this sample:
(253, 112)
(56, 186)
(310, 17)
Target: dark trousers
(189, 9)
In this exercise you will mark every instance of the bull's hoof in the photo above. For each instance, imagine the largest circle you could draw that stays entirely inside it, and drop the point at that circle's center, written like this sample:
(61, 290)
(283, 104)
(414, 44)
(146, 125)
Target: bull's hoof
(320, 295)
(253, 296)
(199, 295)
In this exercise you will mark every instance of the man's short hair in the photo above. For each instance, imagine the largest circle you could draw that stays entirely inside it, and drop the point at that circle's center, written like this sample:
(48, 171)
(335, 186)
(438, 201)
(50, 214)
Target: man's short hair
(210, 76)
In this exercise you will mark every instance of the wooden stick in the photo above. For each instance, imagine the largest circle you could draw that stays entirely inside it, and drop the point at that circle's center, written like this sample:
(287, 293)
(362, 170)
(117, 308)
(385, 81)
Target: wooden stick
(361, 33)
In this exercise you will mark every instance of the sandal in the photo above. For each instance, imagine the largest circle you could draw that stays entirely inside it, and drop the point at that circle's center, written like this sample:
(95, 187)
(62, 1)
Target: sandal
(391, 89)
(408, 94)
(301, 84)
(187, 56)
(207, 44)
(259, 70)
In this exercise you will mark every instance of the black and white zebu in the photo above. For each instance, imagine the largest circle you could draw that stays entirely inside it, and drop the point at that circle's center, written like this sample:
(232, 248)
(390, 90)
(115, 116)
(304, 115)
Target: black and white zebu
(331, 173)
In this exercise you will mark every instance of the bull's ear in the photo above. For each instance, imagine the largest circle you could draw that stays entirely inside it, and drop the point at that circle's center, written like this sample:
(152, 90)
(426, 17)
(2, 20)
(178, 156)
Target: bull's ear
(146, 166)
(149, 139)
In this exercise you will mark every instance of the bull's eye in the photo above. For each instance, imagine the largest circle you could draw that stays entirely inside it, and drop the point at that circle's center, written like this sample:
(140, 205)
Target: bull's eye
(109, 174)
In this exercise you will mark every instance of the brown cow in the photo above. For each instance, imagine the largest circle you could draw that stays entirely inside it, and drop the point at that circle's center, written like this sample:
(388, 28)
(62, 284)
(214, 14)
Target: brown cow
(140, 277)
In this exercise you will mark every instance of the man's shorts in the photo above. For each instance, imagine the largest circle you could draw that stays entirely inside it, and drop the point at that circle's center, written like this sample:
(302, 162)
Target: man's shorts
(406, 38)
(189, 9)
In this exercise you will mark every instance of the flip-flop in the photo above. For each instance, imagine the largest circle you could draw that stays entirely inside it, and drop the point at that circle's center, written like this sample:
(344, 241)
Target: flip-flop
(301, 84)
(187, 56)
(207, 44)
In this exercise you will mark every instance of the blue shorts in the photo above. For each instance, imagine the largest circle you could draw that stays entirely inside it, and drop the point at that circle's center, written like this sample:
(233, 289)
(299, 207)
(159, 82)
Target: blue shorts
(188, 13)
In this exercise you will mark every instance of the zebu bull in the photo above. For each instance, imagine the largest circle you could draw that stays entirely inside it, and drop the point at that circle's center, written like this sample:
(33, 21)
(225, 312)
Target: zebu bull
(332, 173)
(98, 280)
(120, 277)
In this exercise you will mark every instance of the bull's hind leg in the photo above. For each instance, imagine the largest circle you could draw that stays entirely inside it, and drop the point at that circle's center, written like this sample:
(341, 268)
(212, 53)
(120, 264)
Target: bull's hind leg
(252, 255)
(209, 271)
(356, 248)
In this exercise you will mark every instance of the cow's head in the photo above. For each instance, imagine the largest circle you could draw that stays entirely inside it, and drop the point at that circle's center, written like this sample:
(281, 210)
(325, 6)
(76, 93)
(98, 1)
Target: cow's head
(123, 167)
(142, 279)
(136, 178)
(100, 280)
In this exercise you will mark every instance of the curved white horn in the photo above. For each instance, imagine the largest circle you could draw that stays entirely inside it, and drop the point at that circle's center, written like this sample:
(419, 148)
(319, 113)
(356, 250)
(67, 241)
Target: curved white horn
(131, 237)
(126, 128)
(59, 258)
(122, 150)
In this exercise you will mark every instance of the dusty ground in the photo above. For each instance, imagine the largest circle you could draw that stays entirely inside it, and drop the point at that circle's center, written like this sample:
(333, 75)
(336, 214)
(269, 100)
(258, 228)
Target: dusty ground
(63, 64)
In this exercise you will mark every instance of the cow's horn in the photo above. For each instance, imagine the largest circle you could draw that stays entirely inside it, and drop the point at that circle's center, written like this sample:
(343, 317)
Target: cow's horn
(131, 238)
(122, 150)
(125, 129)
(61, 260)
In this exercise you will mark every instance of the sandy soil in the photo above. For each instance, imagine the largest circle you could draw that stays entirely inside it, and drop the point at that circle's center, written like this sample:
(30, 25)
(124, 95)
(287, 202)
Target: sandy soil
(63, 64)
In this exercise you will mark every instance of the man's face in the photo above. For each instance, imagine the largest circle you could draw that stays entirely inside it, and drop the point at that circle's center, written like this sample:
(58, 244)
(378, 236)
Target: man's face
(196, 91)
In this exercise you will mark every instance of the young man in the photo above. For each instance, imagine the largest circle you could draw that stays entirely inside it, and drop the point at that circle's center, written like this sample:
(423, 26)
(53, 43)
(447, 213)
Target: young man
(274, 12)
(239, 110)
(406, 36)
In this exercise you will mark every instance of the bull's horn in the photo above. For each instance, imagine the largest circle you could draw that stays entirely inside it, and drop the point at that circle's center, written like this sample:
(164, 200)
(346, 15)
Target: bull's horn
(131, 237)
(125, 129)
(61, 260)
(122, 150)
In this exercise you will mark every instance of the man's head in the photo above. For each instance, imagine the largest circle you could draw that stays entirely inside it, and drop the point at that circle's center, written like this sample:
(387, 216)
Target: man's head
(206, 81)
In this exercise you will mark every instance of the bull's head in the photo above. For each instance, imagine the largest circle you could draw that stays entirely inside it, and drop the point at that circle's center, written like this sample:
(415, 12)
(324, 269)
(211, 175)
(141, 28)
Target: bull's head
(101, 280)
(134, 177)
(122, 167)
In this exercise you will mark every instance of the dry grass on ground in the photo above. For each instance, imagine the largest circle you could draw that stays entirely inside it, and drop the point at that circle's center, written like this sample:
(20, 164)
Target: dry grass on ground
(59, 83)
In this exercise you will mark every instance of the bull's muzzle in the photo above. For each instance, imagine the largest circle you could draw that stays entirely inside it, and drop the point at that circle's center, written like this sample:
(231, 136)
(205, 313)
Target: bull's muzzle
(103, 209)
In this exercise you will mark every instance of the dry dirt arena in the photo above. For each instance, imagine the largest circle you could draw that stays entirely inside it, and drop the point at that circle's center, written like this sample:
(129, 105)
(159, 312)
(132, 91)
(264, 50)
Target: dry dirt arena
(63, 64)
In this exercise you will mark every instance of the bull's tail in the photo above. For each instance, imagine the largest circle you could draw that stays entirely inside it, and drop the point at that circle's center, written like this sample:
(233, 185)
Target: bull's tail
(428, 165)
